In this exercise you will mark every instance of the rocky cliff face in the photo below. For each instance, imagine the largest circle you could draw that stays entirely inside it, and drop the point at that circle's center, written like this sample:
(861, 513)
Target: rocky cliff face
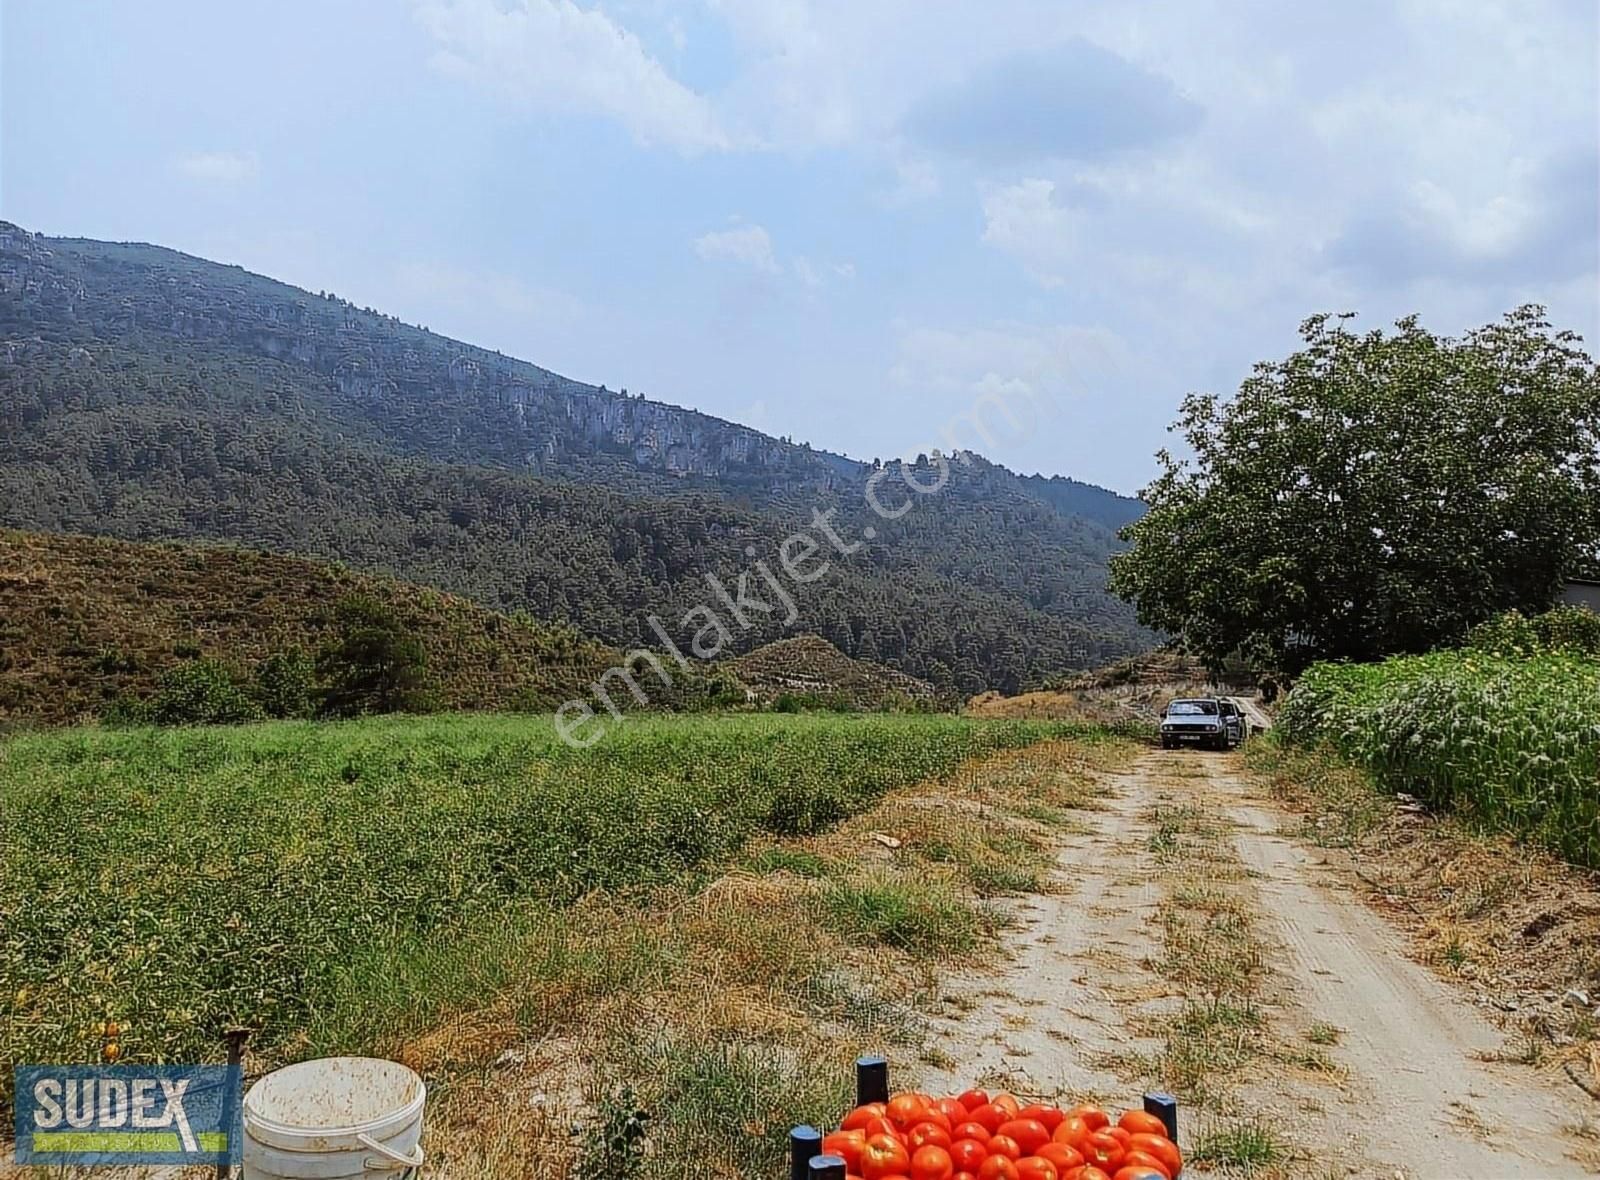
(404, 379)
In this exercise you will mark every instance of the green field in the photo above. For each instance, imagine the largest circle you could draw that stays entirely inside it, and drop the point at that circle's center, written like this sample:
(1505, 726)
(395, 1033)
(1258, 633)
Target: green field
(1507, 742)
(316, 882)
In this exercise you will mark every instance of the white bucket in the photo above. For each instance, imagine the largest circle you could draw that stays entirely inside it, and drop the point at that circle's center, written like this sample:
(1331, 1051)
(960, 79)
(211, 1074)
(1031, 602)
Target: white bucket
(339, 1116)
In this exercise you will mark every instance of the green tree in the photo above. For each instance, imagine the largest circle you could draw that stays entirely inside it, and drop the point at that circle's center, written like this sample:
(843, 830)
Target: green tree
(1372, 493)
(202, 692)
(375, 665)
(285, 684)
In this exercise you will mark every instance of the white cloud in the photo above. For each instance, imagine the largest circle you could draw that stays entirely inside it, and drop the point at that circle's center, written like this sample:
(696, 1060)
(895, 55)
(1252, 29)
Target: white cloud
(915, 180)
(1025, 221)
(552, 55)
(815, 274)
(988, 388)
(750, 245)
(220, 167)
(507, 299)
(1051, 360)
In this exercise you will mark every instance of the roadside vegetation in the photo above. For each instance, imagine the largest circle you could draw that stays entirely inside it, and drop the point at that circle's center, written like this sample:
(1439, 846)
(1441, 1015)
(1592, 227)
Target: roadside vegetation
(1499, 733)
(1515, 923)
(337, 886)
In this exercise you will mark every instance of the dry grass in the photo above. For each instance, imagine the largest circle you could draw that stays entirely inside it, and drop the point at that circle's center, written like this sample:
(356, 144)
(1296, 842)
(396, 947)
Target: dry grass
(1211, 951)
(810, 666)
(1130, 692)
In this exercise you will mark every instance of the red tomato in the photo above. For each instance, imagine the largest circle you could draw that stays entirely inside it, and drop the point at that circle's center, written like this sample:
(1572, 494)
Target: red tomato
(1030, 1134)
(965, 1176)
(1138, 1122)
(858, 1118)
(971, 1130)
(881, 1126)
(923, 1134)
(1093, 1173)
(997, 1167)
(906, 1109)
(1103, 1151)
(973, 1099)
(1138, 1172)
(1162, 1148)
(1144, 1159)
(952, 1109)
(1120, 1134)
(1063, 1157)
(1072, 1130)
(1006, 1146)
(1093, 1117)
(968, 1154)
(1008, 1104)
(1036, 1168)
(932, 1163)
(989, 1117)
(847, 1145)
(882, 1157)
(1048, 1115)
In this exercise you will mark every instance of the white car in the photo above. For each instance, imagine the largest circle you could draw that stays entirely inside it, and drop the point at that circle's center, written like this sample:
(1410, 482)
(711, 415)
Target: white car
(1210, 722)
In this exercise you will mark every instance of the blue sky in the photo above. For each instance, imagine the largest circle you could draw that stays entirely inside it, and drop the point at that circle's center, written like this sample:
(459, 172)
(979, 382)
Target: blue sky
(843, 221)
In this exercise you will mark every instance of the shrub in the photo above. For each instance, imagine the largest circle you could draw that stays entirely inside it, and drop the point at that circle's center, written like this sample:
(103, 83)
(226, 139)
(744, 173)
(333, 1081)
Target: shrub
(1566, 628)
(285, 685)
(202, 692)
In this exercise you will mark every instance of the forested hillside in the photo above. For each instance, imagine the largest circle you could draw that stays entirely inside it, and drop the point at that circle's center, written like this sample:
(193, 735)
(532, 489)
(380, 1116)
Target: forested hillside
(86, 623)
(145, 394)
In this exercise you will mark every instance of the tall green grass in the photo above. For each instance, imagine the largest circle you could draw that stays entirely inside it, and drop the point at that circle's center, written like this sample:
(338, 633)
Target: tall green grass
(299, 879)
(1507, 742)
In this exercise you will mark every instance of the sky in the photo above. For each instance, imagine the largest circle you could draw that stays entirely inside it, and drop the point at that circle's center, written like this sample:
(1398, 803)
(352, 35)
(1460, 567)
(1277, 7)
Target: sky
(846, 221)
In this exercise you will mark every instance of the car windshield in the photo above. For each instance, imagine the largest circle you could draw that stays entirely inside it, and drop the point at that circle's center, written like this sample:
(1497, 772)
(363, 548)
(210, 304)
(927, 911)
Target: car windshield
(1192, 709)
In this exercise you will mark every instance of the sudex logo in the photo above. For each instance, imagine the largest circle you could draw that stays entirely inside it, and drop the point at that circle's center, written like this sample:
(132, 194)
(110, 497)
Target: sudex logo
(127, 1114)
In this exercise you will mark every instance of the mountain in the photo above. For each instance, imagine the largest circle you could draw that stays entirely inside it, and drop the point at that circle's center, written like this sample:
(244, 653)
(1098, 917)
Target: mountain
(1085, 499)
(150, 395)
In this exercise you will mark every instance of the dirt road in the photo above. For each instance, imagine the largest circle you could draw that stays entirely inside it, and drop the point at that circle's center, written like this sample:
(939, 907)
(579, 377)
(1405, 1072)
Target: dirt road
(1194, 946)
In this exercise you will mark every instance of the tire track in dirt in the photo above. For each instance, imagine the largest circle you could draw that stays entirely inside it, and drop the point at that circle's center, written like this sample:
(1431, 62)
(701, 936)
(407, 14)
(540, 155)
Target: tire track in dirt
(1418, 1084)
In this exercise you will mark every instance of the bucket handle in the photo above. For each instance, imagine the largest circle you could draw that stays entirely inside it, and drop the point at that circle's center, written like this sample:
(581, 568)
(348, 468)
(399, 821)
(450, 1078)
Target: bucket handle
(392, 1159)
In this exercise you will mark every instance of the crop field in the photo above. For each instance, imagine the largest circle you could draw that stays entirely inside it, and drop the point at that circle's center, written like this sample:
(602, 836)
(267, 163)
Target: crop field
(1508, 743)
(320, 883)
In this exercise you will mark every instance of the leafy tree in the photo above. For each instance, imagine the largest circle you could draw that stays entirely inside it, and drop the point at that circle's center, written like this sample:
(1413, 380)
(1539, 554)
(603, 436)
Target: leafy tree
(285, 685)
(375, 665)
(1372, 494)
(202, 692)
